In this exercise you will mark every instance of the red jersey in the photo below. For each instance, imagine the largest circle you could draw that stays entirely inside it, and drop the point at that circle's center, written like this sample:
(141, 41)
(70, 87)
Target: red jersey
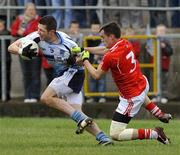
(120, 59)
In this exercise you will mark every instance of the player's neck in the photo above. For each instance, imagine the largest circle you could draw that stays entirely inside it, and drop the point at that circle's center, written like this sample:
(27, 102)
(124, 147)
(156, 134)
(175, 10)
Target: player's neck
(54, 39)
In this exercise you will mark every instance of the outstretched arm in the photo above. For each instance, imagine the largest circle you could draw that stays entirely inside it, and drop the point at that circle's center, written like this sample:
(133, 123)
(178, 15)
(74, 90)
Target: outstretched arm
(95, 73)
(99, 50)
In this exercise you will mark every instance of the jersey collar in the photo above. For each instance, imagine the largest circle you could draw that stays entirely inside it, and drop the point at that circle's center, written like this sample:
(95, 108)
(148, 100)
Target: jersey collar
(60, 39)
(118, 42)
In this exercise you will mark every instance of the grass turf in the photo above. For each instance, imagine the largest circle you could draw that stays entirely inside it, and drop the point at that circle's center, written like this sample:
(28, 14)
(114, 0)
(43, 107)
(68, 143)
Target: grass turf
(56, 136)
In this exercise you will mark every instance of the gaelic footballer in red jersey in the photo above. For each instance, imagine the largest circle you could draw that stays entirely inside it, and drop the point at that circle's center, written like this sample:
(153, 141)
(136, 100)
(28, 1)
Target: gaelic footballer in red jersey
(119, 58)
(125, 69)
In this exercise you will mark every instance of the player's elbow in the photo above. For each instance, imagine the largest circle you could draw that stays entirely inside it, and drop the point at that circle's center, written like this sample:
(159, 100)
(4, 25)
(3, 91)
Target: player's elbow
(12, 49)
(96, 76)
(9, 48)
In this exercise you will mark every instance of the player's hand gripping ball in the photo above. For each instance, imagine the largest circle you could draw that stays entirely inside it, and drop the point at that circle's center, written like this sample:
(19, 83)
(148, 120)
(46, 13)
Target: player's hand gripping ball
(29, 49)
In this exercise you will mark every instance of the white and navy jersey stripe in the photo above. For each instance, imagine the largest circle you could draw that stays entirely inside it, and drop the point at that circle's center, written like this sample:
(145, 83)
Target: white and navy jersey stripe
(56, 53)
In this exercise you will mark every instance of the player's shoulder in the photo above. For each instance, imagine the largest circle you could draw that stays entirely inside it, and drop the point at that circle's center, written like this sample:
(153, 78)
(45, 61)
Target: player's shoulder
(62, 34)
(107, 55)
(66, 39)
(32, 36)
(123, 45)
(126, 43)
(123, 42)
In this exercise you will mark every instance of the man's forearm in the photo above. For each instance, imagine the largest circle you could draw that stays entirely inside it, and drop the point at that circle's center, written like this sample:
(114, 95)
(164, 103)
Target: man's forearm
(91, 69)
(99, 50)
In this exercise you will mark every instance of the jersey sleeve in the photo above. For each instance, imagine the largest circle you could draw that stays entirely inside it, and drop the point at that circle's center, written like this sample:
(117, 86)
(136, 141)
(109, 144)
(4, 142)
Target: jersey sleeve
(67, 40)
(33, 36)
(106, 62)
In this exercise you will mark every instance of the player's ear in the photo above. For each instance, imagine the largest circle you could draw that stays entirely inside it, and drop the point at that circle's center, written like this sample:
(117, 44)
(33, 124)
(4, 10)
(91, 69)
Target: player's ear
(52, 31)
(111, 36)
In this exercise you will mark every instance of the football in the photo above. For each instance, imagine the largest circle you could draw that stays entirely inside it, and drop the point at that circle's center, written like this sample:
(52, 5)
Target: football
(25, 42)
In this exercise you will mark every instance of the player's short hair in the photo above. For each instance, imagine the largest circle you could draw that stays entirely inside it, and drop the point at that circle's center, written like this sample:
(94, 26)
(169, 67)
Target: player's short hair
(49, 21)
(111, 28)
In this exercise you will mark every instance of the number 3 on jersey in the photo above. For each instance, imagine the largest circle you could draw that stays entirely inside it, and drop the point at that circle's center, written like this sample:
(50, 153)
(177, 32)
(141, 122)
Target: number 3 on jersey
(131, 56)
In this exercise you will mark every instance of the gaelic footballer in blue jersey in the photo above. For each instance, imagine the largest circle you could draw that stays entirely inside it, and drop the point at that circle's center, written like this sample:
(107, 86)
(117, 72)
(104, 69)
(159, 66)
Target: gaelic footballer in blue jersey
(56, 47)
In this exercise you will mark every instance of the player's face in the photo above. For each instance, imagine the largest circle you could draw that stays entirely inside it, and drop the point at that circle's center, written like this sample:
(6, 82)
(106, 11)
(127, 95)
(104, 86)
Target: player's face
(108, 40)
(43, 33)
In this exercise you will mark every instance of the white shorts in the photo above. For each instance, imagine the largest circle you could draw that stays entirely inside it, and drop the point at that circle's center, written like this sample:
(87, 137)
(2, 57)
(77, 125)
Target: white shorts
(60, 85)
(131, 106)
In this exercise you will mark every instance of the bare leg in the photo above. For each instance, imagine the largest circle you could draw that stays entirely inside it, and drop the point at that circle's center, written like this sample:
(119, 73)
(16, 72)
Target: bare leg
(147, 101)
(50, 98)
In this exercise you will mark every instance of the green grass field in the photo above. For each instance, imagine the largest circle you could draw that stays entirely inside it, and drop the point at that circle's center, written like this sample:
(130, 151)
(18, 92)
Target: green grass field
(55, 136)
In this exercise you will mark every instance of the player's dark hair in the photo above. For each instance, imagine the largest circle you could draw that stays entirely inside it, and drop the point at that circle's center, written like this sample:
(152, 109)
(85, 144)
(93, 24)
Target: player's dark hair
(111, 28)
(49, 21)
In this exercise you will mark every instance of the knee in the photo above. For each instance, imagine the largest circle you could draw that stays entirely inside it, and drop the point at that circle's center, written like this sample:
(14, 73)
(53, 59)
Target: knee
(114, 134)
(116, 129)
(45, 99)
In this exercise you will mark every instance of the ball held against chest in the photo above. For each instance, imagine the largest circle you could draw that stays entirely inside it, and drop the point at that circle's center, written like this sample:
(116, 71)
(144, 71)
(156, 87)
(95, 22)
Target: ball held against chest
(33, 46)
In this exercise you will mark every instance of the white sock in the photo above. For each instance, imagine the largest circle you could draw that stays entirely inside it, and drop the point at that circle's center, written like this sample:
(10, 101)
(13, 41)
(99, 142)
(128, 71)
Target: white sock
(153, 135)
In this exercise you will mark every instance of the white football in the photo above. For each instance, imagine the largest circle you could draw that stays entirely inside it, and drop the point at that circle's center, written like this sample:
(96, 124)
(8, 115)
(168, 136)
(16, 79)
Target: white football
(25, 42)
